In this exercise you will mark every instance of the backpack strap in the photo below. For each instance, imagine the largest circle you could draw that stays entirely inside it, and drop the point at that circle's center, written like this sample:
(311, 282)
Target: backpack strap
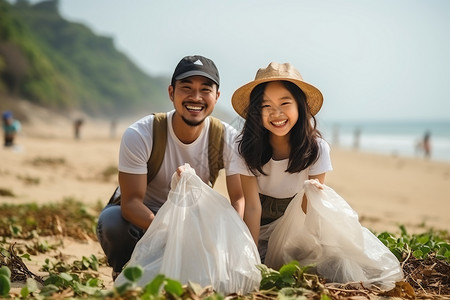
(156, 157)
(215, 148)
(159, 145)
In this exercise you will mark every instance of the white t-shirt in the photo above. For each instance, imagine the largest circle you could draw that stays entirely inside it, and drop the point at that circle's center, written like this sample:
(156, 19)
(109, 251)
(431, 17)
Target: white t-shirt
(136, 147)
(281, 184)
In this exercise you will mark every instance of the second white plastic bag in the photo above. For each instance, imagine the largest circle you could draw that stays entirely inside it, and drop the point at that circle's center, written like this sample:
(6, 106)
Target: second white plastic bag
(197, 236)
(330, 237)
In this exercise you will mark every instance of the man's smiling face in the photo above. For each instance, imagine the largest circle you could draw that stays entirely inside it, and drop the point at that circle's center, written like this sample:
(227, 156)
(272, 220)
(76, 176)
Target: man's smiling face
(194, 98)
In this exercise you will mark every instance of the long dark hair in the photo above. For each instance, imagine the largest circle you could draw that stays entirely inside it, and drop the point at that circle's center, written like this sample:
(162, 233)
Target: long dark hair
(254, 145)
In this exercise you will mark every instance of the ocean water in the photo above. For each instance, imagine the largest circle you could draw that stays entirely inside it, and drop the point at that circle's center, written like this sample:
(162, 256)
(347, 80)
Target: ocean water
(398, 138)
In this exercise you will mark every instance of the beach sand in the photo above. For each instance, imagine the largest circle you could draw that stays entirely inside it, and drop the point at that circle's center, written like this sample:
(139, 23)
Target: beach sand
(49, 165)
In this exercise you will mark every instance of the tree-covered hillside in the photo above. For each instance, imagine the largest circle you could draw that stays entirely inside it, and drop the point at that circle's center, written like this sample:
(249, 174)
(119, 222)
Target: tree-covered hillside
(60, 64)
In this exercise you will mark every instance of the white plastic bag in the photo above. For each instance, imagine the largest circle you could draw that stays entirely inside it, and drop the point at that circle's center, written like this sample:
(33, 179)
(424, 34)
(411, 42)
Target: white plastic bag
(197, 236)
(331, 237)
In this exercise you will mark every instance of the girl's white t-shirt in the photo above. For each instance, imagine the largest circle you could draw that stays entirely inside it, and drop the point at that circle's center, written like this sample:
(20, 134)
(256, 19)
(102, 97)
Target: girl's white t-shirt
(136, 147)
(280, 184)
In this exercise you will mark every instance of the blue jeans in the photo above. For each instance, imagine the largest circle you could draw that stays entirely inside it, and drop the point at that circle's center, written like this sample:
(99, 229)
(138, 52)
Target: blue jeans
(117, 236)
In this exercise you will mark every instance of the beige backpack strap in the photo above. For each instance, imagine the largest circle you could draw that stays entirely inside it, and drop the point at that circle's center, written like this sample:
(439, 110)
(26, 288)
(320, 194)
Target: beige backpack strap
(159, 145)
(215, 148)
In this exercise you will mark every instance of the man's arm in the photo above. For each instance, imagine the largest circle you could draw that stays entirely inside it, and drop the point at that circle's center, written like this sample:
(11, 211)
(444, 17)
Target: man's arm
(235, 193)
(133, 188)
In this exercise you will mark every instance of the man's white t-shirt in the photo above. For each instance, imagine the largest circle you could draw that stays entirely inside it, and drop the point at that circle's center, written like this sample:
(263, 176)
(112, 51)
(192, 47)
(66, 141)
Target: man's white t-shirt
(136, 147)
(281, 184)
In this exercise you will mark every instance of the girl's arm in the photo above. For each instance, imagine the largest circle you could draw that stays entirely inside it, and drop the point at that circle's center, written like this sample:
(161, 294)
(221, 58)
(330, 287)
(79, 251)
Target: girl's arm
(234, 188)
(252, 210)
(321, 178)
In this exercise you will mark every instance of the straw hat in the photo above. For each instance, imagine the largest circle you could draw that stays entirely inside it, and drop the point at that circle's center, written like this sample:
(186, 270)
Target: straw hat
(275, 71)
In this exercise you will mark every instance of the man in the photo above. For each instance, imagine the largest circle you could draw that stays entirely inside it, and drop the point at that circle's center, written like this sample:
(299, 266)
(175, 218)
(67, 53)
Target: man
(194, 91)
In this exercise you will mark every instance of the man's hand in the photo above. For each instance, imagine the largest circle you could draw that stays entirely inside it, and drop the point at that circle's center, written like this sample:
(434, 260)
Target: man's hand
(180, 170)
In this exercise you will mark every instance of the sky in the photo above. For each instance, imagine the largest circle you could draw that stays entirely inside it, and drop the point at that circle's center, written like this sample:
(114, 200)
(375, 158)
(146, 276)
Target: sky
(372, 60)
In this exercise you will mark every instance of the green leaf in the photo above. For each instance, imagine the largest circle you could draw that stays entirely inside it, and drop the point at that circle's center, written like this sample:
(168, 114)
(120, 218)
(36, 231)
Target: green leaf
(398, 253)
(133, 274)
(121, 289)
(26, 256)
(65, 277)
(85, 262)
(94, 282)
(86, 289)
(173, 287)
(48, 289)
(423, 239)
(5, 285)
(418, 254)
(443, 245)
(154, 286)
(289, 269)
(94, 262)
(15, 230)
(288, 280)
(425, 250)
(25, 292)
(403, 229)
(216, 296)
(4, 270)
(32, 285)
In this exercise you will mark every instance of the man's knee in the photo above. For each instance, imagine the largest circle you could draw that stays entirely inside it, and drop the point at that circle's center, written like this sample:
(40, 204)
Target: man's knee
(113, 229)
(111, 224)
(117, 236)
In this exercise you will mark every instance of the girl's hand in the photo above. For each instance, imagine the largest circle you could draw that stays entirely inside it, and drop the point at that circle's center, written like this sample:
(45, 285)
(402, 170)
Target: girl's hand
(316, 183)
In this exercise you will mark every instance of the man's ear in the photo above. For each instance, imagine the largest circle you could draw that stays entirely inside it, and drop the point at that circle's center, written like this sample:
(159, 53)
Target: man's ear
(217, 95)
(170, 90)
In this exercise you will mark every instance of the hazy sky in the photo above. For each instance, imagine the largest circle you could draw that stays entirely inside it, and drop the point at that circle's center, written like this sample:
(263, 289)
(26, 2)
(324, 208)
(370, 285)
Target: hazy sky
(377, 59)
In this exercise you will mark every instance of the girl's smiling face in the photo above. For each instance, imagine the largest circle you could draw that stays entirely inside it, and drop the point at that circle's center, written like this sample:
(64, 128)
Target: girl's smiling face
(279, 109)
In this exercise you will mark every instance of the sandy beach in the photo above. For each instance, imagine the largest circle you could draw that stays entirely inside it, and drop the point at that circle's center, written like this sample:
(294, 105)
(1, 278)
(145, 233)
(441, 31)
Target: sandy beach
(49, 165)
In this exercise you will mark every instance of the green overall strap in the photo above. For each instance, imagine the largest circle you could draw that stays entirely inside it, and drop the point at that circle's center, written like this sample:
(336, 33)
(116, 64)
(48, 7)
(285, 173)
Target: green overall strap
(159, 145)
(215, 148)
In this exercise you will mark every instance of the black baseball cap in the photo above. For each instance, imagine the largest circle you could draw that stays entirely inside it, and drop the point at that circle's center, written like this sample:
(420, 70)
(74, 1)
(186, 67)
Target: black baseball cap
(196, 65)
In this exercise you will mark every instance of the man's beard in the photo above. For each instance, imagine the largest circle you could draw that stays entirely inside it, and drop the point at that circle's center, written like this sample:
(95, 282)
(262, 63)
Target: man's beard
(191, 123)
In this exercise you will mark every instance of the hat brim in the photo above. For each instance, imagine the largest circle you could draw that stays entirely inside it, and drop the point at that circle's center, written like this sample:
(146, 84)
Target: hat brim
(241, 97)
(195, 73)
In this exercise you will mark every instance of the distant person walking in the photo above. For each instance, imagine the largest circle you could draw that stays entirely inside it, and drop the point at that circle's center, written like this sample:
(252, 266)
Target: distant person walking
(77, 127)
(10, 128)
(426, 144)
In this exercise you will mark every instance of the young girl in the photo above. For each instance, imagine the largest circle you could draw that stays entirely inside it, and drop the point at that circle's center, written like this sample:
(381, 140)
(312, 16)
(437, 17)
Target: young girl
(285, 155)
